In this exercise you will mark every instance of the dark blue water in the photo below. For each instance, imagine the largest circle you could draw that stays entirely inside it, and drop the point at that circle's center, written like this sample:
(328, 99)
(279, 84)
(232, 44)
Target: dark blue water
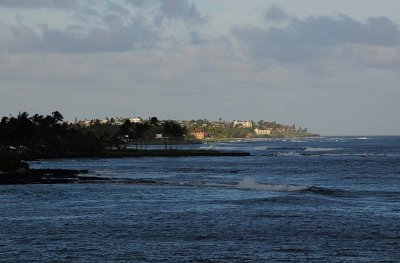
(305, 200)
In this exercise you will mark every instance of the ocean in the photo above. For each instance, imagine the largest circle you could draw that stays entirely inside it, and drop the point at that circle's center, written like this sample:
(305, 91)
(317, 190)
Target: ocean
(328, 199)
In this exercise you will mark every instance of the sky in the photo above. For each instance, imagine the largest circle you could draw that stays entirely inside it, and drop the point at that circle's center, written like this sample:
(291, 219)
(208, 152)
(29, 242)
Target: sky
(330, 66)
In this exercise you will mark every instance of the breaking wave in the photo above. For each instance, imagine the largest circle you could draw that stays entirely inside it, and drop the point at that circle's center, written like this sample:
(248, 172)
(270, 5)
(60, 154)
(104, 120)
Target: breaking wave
(260, 148)
(249, 184)
(286, 154)
(246, 184)
(318, 149)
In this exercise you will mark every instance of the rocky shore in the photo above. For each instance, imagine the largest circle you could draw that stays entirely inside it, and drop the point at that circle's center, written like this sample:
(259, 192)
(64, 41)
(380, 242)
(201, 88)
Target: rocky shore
(137, 153)
(17, 172)
(49, 176)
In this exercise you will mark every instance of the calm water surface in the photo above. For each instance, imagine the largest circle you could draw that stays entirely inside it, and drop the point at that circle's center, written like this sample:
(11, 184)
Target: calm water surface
(311, 200)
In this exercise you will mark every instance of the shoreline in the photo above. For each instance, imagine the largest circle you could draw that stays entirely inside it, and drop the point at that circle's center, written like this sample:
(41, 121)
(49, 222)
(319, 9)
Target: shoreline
(49, 176)
(138, 154)
(17, 172)
(204, 141)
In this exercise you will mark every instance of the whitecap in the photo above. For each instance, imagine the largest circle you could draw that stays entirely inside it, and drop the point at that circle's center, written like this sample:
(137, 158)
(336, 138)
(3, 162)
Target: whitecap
(211, 147)
(288, 154)
(260, 148)
(318, 149)
(249, 184)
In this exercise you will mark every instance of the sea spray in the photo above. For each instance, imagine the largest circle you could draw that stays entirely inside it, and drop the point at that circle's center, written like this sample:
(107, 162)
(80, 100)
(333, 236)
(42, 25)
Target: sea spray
(248, 183)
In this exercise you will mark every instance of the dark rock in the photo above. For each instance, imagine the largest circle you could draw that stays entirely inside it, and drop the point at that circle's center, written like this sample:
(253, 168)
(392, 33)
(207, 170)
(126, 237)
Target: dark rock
(48, 176)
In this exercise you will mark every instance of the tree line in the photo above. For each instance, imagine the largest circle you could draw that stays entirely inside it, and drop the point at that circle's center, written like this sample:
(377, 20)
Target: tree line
(151, 131)
(50, 134)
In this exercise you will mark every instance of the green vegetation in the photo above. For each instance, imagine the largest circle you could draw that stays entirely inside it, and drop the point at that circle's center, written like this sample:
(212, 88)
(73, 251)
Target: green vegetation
(37, 136)
(223, 130)
(50, 136)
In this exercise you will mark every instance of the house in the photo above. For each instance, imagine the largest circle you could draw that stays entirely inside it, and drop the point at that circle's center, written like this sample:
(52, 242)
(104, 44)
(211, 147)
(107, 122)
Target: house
(87, 123)
(263, 131)
(200, 135)
(135, 120)
(243, 124)
(283, 129)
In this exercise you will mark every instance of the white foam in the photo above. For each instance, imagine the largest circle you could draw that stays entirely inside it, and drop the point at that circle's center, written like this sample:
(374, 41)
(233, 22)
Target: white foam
(288, 154)
(316, 149)
(260, 148)
(335, 139)
(249, 184)
(225, 148)
(211, 147)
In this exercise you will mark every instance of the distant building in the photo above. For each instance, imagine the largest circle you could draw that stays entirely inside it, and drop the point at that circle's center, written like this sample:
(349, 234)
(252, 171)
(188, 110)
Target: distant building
(263, 131)
(135, 120)
(243, 124)
(283, 129)
(87, 123)
(200, 135)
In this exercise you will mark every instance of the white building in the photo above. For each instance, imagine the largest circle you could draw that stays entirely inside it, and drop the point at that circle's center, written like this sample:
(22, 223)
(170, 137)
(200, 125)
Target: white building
(263, 132)
(243, 124)
(135, 120)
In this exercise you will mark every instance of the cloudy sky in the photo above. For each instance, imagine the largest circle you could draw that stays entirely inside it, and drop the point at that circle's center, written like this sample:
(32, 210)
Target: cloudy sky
(332, 66)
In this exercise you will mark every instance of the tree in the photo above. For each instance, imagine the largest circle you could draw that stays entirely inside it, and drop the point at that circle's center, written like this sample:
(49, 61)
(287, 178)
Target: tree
(174, 131)
(154, 121)
(4, 120)
(57, 116)
(138, 132)
(125, 128)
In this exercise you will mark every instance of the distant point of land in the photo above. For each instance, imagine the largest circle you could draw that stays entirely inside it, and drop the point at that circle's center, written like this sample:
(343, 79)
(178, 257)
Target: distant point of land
(31, 137)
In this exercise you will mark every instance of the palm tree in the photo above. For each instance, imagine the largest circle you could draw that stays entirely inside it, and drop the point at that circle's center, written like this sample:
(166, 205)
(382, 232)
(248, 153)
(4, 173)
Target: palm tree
(57, 116)
(154, 121)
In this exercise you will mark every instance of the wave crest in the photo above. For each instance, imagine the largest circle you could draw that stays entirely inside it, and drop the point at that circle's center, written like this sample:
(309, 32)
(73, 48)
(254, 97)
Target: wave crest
(249, 184)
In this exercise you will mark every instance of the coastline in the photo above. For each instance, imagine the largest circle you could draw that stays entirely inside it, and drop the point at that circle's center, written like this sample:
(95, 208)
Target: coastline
(49, 176)
(137, 154)
(17, 172)
(259, 138)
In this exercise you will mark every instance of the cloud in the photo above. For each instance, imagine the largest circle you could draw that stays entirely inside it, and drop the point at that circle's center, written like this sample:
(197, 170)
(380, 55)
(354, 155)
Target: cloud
(276, 14)
(108, 26)
(138, 34)
(133, 36)
(138, 2)
(197, 38)
(313, 37)
(181, 10)
(384, 57)
(19, 38)
(117, 8)
(63, 4)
